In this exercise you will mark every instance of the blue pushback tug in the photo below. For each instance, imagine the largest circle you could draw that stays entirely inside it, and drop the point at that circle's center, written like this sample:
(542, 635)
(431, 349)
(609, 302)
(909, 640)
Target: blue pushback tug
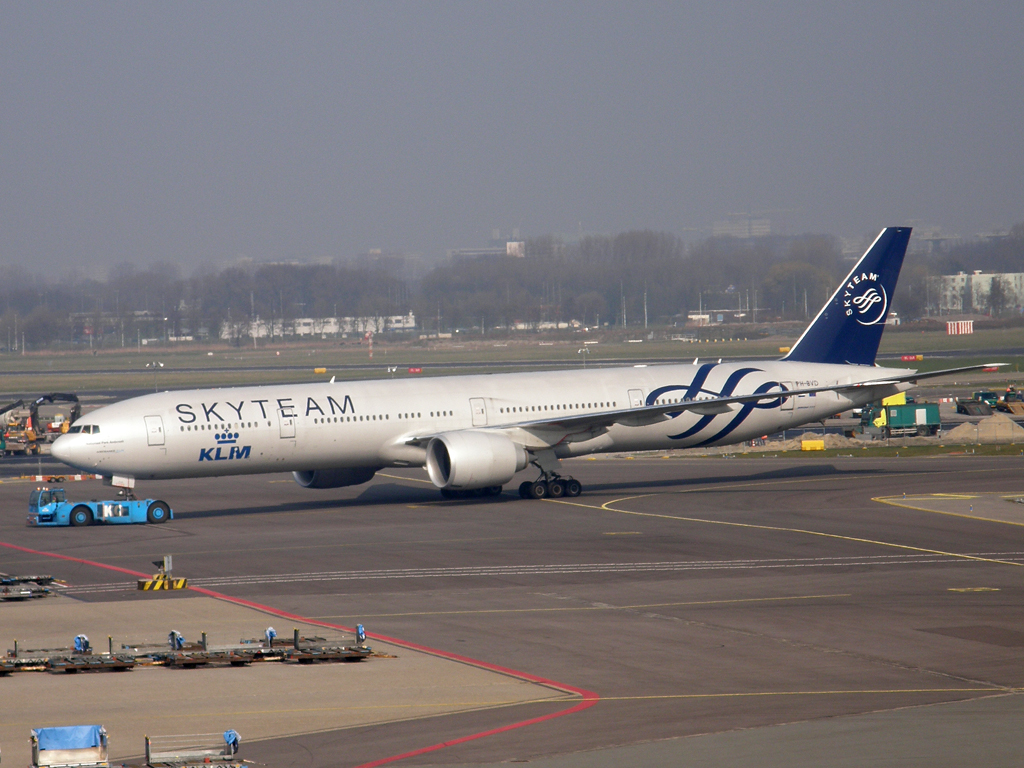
(49, 506)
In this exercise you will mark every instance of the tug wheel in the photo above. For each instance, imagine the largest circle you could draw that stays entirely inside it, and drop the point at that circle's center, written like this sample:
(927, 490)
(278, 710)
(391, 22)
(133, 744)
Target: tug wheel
(81, 516)
(158, 512)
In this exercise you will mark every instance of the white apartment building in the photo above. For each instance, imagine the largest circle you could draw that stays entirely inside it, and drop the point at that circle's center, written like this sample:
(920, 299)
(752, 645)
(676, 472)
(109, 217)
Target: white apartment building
(312, 326)
(972, 293)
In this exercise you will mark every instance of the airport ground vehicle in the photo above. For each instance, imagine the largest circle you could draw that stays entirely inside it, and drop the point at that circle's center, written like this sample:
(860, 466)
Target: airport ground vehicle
(19, 437)
(901, 420)
(979, 404)
(50, 430)
(49, 506)
(23, 430)
(985, 396)
(1012, 401)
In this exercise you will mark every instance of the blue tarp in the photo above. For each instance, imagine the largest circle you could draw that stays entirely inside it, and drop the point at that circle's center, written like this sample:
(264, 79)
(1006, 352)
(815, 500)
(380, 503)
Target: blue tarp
(233, 740)
(69, 737)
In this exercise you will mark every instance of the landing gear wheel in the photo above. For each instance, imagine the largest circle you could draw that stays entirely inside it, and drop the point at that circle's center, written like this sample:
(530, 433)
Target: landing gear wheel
(524, 489)
(573, 488)
(81, 516)
(494, 490)
(158, 512)
(538, 490)
(556, 489)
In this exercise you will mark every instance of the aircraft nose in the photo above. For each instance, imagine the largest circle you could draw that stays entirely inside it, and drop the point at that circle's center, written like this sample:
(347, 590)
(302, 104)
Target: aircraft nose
(62, 449)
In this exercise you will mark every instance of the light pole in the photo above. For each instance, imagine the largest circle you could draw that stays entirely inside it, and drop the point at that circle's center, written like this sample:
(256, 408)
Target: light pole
(154, 365)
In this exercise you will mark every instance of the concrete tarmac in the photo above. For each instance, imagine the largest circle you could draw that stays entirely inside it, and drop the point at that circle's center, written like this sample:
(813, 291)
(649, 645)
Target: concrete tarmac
(680, 610)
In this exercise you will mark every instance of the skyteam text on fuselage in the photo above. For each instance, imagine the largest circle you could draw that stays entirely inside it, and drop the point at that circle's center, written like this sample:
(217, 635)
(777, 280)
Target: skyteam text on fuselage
(474, 433)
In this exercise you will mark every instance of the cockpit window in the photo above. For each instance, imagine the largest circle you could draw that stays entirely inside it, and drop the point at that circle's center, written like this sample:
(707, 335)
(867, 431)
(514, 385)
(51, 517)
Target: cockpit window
(75, 430)
(85, 429)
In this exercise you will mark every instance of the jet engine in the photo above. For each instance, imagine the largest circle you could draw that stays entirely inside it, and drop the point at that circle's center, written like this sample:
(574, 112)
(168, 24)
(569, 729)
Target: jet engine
(464, 461)
(333, 478)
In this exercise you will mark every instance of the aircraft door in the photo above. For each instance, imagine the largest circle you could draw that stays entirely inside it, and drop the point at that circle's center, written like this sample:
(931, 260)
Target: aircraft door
(787, 404)
(479, 409)
(287, 426)
(154, 430)
(636, 398)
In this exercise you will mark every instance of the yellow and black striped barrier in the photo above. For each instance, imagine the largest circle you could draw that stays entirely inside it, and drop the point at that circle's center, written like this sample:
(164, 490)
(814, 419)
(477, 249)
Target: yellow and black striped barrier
(159, 581)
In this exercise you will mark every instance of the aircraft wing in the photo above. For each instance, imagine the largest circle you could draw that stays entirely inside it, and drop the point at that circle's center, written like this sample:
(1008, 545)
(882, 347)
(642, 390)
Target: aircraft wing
(914, 377)
(706, 406)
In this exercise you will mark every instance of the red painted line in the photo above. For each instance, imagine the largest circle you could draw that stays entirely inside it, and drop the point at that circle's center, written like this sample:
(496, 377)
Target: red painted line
(589, 698)
(93, 563)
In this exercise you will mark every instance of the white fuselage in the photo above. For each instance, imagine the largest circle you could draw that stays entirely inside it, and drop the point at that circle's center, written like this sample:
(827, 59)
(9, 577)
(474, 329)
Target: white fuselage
(374, 424)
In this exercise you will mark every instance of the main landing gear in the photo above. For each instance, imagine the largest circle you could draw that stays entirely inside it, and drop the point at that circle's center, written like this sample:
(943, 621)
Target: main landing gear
(554, 488)
(550, 484)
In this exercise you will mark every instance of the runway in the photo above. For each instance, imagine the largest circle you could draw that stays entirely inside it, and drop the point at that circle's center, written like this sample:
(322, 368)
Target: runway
(682, 609)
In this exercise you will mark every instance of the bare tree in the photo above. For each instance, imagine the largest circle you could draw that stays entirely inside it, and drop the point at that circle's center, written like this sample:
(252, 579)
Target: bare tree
(998, 296)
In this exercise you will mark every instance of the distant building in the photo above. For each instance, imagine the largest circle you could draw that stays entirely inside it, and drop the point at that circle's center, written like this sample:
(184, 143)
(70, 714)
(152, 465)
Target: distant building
(973, 293)
(315, 326)
(744, 227)
(515, 248)
(716, 317)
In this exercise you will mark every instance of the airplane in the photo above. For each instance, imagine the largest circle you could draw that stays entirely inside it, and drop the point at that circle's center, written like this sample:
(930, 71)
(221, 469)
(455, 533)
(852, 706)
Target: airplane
(474, 433)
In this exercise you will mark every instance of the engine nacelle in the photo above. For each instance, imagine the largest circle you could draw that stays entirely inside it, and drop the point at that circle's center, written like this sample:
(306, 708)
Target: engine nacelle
(464, 461)
(333, 478)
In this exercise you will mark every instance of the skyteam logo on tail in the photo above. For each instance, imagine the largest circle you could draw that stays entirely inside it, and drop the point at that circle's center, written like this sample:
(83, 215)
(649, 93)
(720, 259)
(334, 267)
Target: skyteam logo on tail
(865, 299)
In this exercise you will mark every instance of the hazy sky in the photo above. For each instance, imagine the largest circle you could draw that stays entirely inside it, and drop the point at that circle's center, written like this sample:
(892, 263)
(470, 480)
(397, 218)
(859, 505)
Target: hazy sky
(202, 132)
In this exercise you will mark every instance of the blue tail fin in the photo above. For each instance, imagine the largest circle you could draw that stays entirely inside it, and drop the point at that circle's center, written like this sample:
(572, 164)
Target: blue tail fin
(849, 327)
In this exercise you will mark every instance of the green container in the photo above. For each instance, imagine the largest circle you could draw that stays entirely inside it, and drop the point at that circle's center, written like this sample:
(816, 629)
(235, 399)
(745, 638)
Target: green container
(913, 419)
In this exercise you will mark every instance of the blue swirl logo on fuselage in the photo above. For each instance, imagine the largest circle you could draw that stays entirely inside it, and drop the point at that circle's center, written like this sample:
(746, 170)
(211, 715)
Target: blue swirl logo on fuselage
(696, 388)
